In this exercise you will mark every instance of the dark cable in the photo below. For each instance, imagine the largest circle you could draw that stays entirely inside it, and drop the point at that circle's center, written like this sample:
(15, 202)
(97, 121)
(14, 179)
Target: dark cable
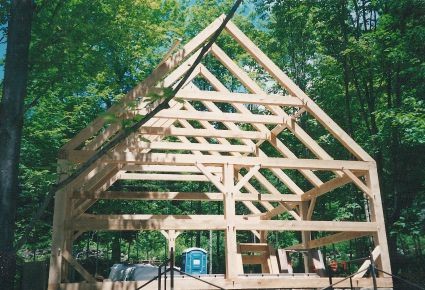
(124, 133)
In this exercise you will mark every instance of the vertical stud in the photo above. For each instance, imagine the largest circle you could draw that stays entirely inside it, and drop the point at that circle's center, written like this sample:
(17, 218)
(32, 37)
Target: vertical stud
(229, 216)
(306, 237)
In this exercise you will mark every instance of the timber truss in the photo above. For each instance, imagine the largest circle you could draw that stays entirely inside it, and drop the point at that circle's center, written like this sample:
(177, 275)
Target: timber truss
(224, 148)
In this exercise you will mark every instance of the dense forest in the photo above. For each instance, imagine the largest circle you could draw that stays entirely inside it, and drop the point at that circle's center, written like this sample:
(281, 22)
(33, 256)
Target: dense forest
(362, 61)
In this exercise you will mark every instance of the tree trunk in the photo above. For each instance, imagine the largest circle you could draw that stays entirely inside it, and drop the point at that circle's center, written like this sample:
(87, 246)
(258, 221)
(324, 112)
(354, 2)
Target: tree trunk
(11, 122)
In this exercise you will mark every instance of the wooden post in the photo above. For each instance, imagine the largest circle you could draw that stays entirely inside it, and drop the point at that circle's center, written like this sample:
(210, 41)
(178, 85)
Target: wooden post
(64, 169)
(229, 216)
(58, 237)
(306, 237)
(171, 237)
(264, 265)
(377, 215)
(61, 239)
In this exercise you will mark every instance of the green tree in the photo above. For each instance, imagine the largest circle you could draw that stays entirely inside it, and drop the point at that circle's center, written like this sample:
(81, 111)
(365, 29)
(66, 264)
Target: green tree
(11, 123)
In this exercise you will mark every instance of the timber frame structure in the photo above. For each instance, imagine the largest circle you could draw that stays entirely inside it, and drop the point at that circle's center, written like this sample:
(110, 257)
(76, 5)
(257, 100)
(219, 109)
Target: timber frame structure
(229, 158)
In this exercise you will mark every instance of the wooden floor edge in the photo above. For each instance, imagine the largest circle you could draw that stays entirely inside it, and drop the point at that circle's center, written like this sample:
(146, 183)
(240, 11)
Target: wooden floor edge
(251, 282)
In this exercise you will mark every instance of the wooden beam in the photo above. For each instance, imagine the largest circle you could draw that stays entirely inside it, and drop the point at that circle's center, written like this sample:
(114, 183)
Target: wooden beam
(214, 179)
(83, 206)
(148, 222)
(331, 239)
(173, 131)
(189, 159)
(211, 196)
(241, 98)
(311, 207)
(253, 247)
(278, 198)
(209, 222)
(137, 195)
(176, 74)
(296, 281)
(289, 122)
(253, 259)
(358, 182)
(163, 145)
(246, 178)
(168, 168)
(108, 178)
(326, 187)
(104, 178)
(220, 117)
(328, 226)
(164, 177)
(280, 209)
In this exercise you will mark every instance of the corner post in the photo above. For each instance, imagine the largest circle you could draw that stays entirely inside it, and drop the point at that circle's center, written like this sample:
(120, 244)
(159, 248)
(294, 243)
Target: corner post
(58, 241)
(377, 215)
(61, 238)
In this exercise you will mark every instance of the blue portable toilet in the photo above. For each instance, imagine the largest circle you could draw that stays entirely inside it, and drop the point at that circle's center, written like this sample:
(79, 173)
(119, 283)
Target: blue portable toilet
(194, 261)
